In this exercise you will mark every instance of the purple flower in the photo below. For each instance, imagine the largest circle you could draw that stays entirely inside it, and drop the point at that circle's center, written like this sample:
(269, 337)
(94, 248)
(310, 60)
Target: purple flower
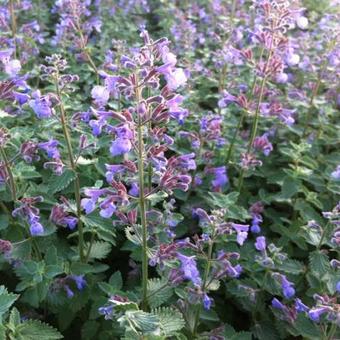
(59, 216)
(106, 311)
(36, 228)
(242, 232)
(100, 94)
(336, 174)
(51, 148)
(262, 143)
(176, 78)
(255, 227)
(300, 306)
(189, 268)
(277, 304)
(107, 209)
(120, 146)
(69, 291)
(207, 301)
(112, 170)
(260, 243)
(12, 67)
(220, 178)
(79, 280)
(41, 105)
(337, 287)
(287, 287)
(134, 190)
(315, 313)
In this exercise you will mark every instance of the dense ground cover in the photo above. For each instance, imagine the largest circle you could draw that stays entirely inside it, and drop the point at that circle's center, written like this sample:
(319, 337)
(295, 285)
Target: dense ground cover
(169, 169)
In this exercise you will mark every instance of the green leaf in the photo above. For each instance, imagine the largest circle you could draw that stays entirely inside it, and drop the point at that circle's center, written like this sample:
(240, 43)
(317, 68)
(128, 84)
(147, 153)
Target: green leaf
(170, 320)
(14, 317)
(159, 291)
(4, 220)
(116, 280)
(99, 250)
(34, 329)
(290, 187)
(319, 263)
(291, 267)
(160, 196)
(216, 199)
(58, 183)
(307, 328)
(140, 322)
(6, 300)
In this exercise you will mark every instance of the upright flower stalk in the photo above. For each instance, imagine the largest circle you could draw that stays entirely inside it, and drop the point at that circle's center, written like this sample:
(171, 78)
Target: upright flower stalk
(13, 25)
(63, 121)
(9, 172)
(142, 203)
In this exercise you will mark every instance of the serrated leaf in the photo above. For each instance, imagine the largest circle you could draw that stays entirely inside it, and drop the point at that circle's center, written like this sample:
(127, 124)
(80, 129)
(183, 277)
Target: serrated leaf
(291, 267)
(319, 263)
(159, 291)
(14, 317)
(217, 199)
(307, 328)
(6, 300)
(34, 329)
(140, 322)
(58, 183)
(171, 320)
(99, 250)
(116, 280)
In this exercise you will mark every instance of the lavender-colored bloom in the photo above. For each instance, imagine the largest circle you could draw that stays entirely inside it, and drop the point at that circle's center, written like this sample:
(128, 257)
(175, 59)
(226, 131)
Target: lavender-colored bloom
(13, 67)
(36, 228)
(337, 287)
(242, 232)
(336, 174)
(79, 280)
(41, 105)
(107, 208)
(51, 148)
(134, 190)
(277, 304)
(315, 313)
(176, 78)
(292, 59)
(100, 94)
(302, 22)
(262, 143)
(120, 146)
(207, 301)
(255, 227)
(21, 98)
(221, 178)
(189, 268)
(300, 306)
(69, 292)
(106, 311)
(287, 287)
(260, 243)
(112, 170)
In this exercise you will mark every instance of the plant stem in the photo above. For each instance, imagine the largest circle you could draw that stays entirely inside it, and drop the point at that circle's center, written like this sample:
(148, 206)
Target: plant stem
(74, 168)
(90, 246)
(257, 112)
(9, 172)
(13, 25)
(204, 285)
(314, 94)
(332, 331)
(87, 54)
(142, 204)
(232, 143)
